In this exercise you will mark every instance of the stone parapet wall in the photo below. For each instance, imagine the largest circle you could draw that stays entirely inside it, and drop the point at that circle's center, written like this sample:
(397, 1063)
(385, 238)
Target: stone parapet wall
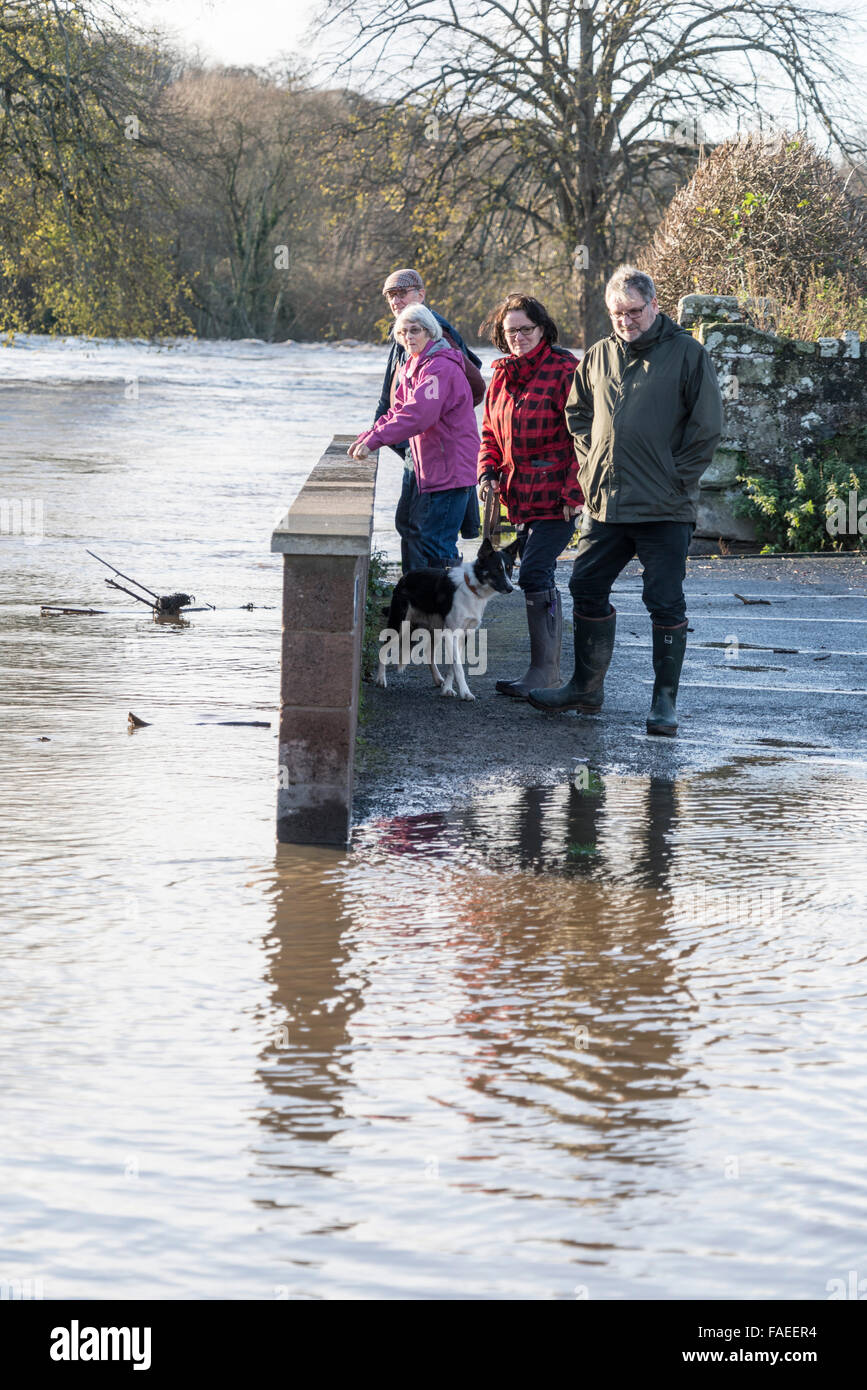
(324, 539)
(781, 397)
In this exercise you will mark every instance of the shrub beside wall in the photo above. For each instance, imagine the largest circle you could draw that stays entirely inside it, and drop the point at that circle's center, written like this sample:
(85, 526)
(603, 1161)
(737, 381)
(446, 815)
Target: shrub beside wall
(769, 217)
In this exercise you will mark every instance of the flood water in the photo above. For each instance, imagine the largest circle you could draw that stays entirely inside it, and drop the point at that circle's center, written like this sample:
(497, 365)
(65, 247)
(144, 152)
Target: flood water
(593, 1040)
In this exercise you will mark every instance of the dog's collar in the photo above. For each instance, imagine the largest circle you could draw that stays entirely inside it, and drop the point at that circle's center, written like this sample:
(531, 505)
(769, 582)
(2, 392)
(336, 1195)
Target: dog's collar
(470, 587)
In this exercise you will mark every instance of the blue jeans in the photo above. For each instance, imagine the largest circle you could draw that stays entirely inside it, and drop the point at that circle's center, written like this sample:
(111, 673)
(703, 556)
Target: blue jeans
(406, 525)
(539, 545)
(439, 516)
(471, 526)
(606, 547)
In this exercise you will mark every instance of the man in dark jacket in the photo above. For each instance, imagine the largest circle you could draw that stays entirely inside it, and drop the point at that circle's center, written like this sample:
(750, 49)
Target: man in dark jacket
(645, 413)
(405, 287)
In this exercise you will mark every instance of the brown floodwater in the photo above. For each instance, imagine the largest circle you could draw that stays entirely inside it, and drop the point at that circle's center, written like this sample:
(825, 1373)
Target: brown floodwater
(591, 1040)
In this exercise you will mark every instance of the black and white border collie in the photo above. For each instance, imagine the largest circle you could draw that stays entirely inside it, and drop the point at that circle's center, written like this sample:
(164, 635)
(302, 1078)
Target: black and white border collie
(453, 600)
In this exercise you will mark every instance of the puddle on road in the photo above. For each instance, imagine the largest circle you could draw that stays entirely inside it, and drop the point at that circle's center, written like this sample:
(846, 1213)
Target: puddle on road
(598, 1040)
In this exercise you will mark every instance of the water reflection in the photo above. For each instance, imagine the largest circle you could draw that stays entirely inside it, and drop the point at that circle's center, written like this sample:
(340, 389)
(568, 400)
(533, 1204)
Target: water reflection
(622, 833)
(511, 1029)
(313, 998)
(531, 1011)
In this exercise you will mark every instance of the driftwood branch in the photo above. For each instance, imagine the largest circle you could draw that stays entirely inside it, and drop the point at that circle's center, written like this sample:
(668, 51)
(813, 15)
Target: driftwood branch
(161, 604)
(114, 585)
(127, 577)
(56, 610)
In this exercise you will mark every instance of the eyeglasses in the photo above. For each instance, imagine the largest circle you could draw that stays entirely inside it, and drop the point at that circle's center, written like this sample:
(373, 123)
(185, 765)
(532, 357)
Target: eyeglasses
(632, 314)
(401, 293)
(525, 331)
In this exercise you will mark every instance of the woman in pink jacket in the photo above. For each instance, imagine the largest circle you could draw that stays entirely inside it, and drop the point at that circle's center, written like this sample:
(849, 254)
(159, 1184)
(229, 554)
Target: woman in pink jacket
(433, 408)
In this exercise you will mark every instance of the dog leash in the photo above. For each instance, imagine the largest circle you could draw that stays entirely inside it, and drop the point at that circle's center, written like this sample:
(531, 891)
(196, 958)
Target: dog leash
(492, 525)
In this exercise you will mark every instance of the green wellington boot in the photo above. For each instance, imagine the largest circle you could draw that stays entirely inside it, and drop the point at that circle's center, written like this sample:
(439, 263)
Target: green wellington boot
(669, 645)
(545, 623)
(594, 645)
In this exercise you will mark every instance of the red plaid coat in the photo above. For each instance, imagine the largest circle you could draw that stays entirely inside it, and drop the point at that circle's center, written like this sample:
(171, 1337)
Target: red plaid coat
(525, 442)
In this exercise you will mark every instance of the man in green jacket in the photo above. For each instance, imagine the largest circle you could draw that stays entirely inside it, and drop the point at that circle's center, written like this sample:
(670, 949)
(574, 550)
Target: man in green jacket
(645, 413)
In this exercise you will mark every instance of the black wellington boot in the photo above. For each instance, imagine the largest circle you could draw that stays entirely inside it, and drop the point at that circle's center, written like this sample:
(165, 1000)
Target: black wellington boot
(594, 645)
(669, 645)
(545, 622)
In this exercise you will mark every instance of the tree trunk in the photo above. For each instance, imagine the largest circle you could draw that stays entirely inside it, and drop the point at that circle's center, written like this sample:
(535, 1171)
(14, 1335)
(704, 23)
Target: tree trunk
(590, 265)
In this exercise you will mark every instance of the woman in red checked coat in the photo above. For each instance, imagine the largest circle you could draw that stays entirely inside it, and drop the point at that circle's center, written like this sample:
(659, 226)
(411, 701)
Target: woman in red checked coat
(527, 456)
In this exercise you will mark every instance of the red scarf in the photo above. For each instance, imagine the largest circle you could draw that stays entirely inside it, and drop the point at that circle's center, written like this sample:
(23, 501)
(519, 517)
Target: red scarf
(519, 371)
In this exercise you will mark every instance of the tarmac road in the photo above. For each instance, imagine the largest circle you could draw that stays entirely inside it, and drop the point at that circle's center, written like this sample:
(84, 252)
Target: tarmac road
(789, 673)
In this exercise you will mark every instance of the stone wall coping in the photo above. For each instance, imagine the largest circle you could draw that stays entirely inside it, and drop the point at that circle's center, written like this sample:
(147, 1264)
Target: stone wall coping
(693, 309)
(333, 512)
(740, 339)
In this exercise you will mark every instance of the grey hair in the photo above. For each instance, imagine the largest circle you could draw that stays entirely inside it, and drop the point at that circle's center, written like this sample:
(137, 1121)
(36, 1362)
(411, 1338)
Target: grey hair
(628, 279)
(418, 313)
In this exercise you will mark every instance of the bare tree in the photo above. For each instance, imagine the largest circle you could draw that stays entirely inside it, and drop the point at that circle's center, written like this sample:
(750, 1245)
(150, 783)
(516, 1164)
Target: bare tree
(246, 180)
(574, 117)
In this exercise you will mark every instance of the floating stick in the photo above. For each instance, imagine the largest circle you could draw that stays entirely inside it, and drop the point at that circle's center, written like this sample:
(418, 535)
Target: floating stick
(123, 576)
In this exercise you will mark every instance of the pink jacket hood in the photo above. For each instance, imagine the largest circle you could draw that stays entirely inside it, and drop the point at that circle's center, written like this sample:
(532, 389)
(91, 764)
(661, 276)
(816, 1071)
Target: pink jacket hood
(433, 409)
